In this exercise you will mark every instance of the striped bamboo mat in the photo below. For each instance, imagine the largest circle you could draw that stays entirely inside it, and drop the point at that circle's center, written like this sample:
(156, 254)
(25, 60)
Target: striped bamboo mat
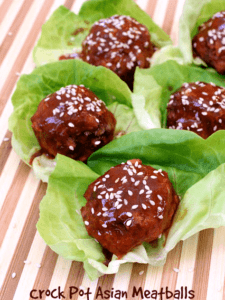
(26, 263)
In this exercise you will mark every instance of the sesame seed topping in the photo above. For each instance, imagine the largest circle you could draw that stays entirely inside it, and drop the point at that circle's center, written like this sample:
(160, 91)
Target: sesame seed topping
(144, 206)
(128, 223)
(86, 223)
(134, 206)
(71, 124)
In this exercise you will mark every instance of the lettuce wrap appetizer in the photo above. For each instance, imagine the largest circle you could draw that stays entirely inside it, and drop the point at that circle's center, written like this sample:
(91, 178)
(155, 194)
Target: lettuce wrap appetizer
(65, 31)
(32, 88)
(194, 14)
(196, 168)
(154, 86)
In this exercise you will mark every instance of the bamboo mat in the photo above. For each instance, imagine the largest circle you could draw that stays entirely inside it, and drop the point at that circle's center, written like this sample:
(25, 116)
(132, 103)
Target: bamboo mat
(26, 263)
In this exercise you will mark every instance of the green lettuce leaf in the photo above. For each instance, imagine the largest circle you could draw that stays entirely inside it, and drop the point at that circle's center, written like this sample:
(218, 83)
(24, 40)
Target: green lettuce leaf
(64, 31)
(194, 14)
(158, 83)
(32, 88)
(196, 168)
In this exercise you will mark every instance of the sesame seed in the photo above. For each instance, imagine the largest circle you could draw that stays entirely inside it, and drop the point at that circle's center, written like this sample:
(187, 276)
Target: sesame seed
(27, 262)
(128, 223)
(140, 173)
(125, 201)
(141, 191)
(130, 193)
(86, 223)
(134, 206)
(152, 202)
(92, 210)
(159, 197)
(137, 183)
(97, 142)
(129, 214)
(71, 148)
(104, 208)
(144, 206)
(119, 206)
(71, 124)
(104, 225)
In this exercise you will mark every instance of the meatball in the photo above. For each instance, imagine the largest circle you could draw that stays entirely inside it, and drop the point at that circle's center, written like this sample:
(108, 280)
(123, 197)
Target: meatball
(130, 204)
(74, 122)
(118, 43)
(198, 107)
(209, 43)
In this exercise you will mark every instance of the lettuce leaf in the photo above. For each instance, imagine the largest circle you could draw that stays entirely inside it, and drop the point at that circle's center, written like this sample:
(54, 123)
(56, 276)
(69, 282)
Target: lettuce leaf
(64, 31)
(32, 88)
(159, 82)
(196, 168)
(194, 14)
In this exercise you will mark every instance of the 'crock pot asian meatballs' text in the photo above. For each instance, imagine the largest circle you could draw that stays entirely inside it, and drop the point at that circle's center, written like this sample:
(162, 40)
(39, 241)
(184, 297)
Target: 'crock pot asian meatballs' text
(74, 122)
(198, 107)
(130, 204)
(119, 43)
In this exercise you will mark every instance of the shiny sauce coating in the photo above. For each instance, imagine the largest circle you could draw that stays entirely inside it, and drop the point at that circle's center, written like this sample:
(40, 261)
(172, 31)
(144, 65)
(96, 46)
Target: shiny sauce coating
(198, 107)
(74, 122)
(130, 204)
(119, 43)
(209, 42)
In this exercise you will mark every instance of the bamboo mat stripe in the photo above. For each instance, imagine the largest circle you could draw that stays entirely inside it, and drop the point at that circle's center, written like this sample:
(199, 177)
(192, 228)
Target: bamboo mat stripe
(26, 263)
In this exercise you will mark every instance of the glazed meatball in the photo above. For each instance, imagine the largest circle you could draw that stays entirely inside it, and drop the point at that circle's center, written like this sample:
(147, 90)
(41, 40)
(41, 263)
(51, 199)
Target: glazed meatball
(198, 107)
(118, 43)
(130, 204)
(209, 43)
(74, 122)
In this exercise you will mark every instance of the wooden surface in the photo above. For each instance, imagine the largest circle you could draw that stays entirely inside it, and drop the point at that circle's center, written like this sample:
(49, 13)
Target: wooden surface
(26, 263)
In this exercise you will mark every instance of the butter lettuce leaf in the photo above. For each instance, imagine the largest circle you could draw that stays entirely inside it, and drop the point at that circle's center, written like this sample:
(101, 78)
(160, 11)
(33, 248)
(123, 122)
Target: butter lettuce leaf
(64, 31)
(158, 83)
(32, 88)
(194, 14)
(196, 168)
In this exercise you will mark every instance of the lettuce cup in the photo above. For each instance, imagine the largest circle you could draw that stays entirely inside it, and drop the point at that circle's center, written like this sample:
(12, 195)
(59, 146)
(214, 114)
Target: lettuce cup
(208, 51)
(164, 82)
(118, 36)
(48, 117)
(195, 168)
(65, 31)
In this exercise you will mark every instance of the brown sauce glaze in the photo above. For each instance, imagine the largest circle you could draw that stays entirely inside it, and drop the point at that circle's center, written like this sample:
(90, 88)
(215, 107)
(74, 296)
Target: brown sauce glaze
(128, 205)
(209, 42)
(74, 122)
(119, 43)
(198, 107)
